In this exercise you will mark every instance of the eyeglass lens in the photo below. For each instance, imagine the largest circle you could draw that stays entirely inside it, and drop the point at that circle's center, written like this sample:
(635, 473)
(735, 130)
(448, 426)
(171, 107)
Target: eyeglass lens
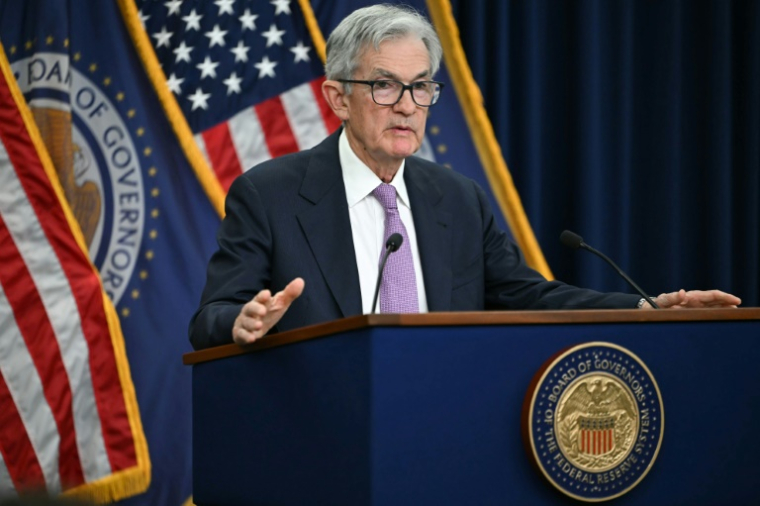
(388, 92)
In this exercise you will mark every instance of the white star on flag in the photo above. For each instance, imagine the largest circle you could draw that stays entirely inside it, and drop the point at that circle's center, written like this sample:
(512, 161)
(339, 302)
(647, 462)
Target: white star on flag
(162, 37)
(248, 20)
(143, 17)
(199, 99)
(266, 67)
(207, 68)
(281, 6)
(225, 6)
(216, 36)
(273, 35)
(173, 6)
(233, 83)
(301, 52)
(193, 21)
(240, 51)
(174, 83)
(183, 52)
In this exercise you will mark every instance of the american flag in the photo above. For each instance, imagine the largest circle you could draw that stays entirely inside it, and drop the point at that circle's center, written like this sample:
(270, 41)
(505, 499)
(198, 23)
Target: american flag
(246, 76)
(68, 414)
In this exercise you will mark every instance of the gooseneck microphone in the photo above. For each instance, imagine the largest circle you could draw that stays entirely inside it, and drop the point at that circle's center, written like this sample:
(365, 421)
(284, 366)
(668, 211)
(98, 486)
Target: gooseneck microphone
(392, 244)
(574, 241)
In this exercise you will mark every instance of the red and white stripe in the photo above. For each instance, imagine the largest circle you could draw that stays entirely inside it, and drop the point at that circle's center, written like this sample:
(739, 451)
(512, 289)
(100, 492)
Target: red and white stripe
(63, 421)
(596, 441)
(296, 120)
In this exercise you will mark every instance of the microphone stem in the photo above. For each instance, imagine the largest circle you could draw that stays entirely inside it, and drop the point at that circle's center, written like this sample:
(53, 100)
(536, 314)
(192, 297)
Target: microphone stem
(388, 251)
(622, 274)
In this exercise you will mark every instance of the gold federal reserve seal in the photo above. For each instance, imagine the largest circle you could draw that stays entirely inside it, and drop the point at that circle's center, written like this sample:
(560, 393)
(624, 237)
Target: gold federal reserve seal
(594, 421)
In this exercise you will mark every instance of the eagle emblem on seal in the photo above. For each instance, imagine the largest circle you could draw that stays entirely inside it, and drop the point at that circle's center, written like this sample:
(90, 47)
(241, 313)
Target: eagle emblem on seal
(596, 422)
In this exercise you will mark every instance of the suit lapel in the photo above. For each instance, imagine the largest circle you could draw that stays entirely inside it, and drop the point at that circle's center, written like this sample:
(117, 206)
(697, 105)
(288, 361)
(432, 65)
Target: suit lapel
(327, 226)
(431, 223)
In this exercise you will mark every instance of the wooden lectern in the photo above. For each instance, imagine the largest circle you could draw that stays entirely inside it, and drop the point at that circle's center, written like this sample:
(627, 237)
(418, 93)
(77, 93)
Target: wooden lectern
(426, 409)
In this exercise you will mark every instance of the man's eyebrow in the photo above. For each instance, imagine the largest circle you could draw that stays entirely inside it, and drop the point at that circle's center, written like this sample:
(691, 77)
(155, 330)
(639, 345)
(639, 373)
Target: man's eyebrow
(390, 75)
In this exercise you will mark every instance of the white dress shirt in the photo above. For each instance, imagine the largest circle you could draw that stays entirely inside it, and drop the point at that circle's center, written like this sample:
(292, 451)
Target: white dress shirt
(368, 222)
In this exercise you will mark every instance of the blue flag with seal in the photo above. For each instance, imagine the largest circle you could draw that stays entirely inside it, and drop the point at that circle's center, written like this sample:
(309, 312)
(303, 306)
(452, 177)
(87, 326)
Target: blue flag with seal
(148, 214)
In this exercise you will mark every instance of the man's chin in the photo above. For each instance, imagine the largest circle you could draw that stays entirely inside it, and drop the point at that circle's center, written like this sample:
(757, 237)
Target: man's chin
(404, 149)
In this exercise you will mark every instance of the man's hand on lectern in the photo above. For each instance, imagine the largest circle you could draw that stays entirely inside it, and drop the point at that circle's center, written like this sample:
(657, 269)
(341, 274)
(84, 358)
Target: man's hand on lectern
(694, 299)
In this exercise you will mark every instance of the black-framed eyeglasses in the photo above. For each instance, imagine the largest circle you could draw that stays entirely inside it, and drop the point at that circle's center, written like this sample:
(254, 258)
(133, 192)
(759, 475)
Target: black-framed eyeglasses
(390, 91)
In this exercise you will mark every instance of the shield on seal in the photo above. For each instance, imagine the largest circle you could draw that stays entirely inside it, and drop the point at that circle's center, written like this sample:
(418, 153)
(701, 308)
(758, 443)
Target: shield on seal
(596, 435)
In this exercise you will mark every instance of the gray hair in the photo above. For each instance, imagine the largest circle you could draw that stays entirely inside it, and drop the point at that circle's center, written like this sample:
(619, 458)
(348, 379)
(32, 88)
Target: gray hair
(374, 25)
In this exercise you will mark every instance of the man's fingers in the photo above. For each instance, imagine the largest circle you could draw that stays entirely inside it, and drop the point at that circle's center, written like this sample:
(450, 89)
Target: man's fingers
(248, 325)
(718, 298)
(259, 305)
(287, 295)
(673, 299)
(251, 324)
(263, 297)
(293, 290)
(243, 336)
(697, 298)
(254, 309)
(713, 298)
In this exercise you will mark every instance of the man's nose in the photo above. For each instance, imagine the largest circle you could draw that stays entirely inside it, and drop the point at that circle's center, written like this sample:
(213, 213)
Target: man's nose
(406, 104)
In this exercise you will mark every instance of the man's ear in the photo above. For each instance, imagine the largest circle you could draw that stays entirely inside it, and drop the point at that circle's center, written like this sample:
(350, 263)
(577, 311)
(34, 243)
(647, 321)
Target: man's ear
(336, 98)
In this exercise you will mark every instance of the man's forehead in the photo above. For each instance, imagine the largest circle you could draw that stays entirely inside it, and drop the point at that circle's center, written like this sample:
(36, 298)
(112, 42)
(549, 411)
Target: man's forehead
(395, 55)
(381, 72)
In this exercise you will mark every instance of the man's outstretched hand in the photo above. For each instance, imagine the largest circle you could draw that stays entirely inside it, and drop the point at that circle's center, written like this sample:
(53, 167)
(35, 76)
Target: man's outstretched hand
(263, 312)
(695, 298)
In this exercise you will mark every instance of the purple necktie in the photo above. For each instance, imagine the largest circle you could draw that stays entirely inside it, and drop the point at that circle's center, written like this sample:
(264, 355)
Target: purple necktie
(398, 291)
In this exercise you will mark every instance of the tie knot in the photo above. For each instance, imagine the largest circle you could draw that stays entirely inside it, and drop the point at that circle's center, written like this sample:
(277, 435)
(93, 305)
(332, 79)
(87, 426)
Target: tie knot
(386, 194)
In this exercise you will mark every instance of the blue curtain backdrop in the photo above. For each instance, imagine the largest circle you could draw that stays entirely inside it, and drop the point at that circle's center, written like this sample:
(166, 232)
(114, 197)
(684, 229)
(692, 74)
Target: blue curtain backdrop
(635, 124)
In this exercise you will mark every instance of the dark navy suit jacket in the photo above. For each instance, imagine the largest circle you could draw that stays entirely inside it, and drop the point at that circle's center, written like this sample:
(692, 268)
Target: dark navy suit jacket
(288, 217)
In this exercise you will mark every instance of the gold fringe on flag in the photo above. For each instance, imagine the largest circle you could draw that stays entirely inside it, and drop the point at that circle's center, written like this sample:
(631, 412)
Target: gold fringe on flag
(316, 34)
(480, 126)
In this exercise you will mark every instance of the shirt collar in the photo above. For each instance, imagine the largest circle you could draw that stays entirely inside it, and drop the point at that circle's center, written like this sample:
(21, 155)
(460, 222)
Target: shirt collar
(359, 179)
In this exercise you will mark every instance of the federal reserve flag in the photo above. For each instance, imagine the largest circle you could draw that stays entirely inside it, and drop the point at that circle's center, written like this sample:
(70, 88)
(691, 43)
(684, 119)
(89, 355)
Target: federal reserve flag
(69, 421)
(144, 216)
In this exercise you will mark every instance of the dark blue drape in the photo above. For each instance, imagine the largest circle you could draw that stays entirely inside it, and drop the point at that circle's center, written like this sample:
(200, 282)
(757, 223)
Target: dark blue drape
(634, 123)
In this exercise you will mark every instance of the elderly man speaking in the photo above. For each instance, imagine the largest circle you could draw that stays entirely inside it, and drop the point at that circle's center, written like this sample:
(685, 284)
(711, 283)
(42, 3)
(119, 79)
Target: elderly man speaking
(313, 226)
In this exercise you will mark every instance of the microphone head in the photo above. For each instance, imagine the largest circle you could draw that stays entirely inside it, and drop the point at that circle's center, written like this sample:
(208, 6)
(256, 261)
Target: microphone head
(571, 239)
(394, 242)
